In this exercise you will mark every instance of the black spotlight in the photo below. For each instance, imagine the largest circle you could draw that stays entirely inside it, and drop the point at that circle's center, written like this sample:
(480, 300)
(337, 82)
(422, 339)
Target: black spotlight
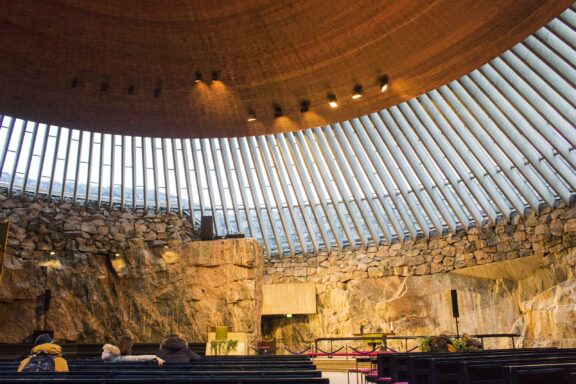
(75, 82)
(198, 77)
(104, 87)
(277, 111)
(357, 91)
(131, 89)
(304, 106)
(383, 80)
(215, 75)
(157, 92)
(251, 115)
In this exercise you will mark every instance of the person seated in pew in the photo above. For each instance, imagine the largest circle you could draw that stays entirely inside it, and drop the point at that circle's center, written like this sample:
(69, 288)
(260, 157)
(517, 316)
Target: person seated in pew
(472, 344)
(123, 353)
(45, 357)
(174, 349)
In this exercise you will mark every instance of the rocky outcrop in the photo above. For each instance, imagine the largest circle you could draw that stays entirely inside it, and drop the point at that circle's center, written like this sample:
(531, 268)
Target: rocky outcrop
(513, 277)
(121, 272)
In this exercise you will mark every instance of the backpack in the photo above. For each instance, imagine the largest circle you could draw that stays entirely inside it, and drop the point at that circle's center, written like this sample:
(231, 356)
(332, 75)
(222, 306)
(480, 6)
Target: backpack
(40, 362)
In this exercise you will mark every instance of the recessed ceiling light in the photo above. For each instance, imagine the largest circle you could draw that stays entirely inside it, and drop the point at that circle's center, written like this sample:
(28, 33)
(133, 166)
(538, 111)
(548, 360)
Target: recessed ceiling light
(332, 100)
(383, 83)
(357, 93)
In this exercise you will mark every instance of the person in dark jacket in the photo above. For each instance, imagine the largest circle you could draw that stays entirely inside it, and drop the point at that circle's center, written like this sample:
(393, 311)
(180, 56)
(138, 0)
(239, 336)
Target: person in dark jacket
(174, 349)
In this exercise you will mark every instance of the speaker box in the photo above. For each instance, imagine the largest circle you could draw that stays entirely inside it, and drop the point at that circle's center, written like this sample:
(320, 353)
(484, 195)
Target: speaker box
(47, 297)
(454, 295)
(206, 228)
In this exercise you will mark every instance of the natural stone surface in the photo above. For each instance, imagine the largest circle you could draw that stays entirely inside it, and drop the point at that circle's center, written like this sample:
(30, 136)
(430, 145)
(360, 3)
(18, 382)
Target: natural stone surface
(107, 278)
(511, 277)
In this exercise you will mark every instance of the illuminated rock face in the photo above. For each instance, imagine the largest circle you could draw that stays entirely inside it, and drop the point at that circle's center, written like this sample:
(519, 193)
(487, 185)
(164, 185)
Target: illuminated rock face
(517, 277)
(112, 274)
(138, 274)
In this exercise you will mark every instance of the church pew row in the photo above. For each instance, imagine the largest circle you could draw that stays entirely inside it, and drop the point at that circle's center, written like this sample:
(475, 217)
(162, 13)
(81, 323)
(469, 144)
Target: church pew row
(448, 369)
(419, 367)
(158, 380)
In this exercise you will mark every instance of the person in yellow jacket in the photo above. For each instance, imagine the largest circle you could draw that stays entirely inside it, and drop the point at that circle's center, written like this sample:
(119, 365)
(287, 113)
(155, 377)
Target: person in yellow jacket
(45, 344)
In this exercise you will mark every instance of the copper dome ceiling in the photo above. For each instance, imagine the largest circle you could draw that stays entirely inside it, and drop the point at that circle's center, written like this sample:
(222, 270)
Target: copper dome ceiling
(129, 66)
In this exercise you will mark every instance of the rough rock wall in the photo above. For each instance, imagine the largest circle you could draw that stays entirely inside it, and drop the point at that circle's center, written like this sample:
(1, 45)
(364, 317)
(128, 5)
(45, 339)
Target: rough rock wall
(512, 277)
(122, 272)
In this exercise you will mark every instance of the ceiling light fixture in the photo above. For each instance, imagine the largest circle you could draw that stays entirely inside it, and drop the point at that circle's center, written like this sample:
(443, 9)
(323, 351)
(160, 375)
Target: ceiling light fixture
(198, 77)
(357, 93)
(277, 111)
(215, 75)
(383, 83)
(332, 100)
(157, 92)
(304, 106)
(251, 115)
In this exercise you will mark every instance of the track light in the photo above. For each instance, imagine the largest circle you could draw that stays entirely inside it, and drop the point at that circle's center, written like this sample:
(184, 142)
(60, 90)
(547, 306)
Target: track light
(383, 83)
(251, 115)
(215, 75)
(304, 106)
(277, 111)
(198, 77)
(332, 100)
(357, 93)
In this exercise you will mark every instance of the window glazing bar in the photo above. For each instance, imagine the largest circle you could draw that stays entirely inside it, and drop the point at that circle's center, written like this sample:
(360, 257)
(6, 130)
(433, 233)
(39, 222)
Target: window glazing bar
(438, 146)
(347, 138)
(260, 183)
(391, 156)
(232, 144)
(155, 174)
(503, 151)
(558, 45)
(422, 158)
(177, 176)
(342, 149)
(199, 185)
(549, 58)
(30, 156)
(279, 165)
(187, 170)
(90, 151)
(17, 157)
(285, 157)
(123, 162)
(7, 143)
(524, 136)
(78, 162)
(66, 162)
(134, 175)
(257, 205)
(220, 181)
(413, 157)
(268, 166)
(167, 191)
(112, 164)
(315, 177)
(211, 190)
(548, 93)
(545, 122)
(326, 135)
(145, 173)
(54, 162)
(480, 164)
(382, 163)
(231, 186)
(303, 163)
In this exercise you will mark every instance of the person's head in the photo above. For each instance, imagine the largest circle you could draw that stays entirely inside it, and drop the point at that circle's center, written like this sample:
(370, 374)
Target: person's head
(43, 339)
(174, 341)
(125, 344)
(110, 352)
